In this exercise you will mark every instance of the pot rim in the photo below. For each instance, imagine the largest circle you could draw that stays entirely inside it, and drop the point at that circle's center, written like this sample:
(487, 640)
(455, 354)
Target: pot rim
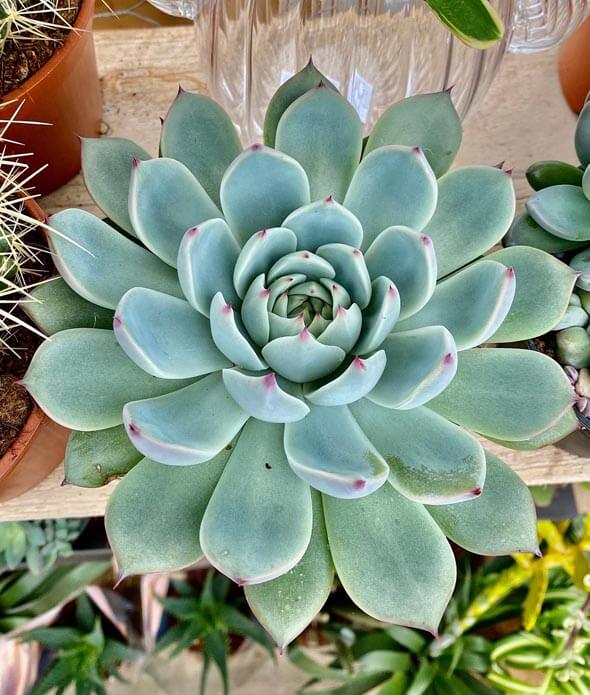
(18, 448)
(79, 28)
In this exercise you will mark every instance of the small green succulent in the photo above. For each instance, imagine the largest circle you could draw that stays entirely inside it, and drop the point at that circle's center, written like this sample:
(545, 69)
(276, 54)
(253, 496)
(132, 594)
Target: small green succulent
(38, 543)
(300, 385)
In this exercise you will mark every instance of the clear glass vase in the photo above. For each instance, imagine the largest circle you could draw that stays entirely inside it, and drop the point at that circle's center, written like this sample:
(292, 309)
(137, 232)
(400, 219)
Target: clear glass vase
(375, 51)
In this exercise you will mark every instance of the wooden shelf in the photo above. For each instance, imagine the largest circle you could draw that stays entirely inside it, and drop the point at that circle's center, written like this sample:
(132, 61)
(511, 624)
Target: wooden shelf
(522, 118)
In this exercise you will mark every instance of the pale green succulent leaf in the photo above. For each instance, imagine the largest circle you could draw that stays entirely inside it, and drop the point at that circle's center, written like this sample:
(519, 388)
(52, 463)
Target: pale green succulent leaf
(259, 253)
(301, 358)
(93, 459)
(165, 336)
(286, 605)
(471, 304)
(429, 121)
(351, 270)
(475, 23)
(258, 523)
(580, 263)
(393, 185)
(432, 460)
(311, 289)
(391, 558)
(504, 393)
(345, 329)
(104, 264)
(301, 262)
(82, 379)
(191, 425)
(293, 88)
(582, 136)
(586, 182)
(356, 381)
(281, 285)
(562, 210)
(260, 188)
(230, 337)
(329, 451)
(211, 247)
(254, 311)
(340, 296)
(262, 397)
(324, 222)
(573, 316)
(543, 288)
(106, 166)
(323, 132)
(526, 232)
(165, 200)
(407, 258)
(420, 364)
(501, 521)
(380, 316)
(154, 514)
(198, 133)
(475, 209)
(566, 424)
(56, 308)
(281, 326)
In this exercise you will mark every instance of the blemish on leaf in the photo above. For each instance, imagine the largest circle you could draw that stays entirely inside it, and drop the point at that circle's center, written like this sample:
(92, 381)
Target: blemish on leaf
(268, 466)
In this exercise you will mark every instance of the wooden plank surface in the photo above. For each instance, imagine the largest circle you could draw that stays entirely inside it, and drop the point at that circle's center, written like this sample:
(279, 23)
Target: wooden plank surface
(522, 118)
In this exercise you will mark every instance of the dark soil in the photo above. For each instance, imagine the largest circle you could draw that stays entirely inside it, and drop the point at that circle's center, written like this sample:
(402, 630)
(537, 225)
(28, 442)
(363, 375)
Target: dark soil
(22, 58)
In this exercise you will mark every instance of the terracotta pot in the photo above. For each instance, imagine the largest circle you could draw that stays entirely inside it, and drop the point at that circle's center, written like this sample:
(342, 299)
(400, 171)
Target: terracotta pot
(574, 67)
(37, 427)
(64, 93)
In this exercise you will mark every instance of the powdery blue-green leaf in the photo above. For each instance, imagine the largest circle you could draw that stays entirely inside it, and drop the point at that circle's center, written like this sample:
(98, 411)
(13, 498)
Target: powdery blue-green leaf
(165, 200)
(432, 461)
(296, 86)
(340, 296)
(105, 264)
(543, 288)
(229, 336)
(259, 253)
(281, 326)
(562, 210)
(258, 523)
(329, 451)
(356, 381)
(420, 364)
(106, 166)
(501, 521)
(526, 232)
(154, 514)
(407, 258)
(567, 424)
(286, 605)
(92, 459)
(280, 286)
(351, 270)
(582, 136)
(260, 188)
(254, 311)
(393, 185)
(262, 397)
(56, 308)
(429, 121)
(471, 304)
(494, 391)
(586, 182)
(188, 426)
(581, 264)
(380, 316)
(82, 379)
(301, 357)
(324, 222)
(311, 289)
(475, 209)
(198, 133)
(391, 558)
(165, 336)
(323, 132)
(301, 262)
(210, 247)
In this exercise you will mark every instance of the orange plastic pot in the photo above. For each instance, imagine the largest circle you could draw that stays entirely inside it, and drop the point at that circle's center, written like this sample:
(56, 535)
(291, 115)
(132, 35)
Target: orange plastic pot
(65, 94)
(574, 66)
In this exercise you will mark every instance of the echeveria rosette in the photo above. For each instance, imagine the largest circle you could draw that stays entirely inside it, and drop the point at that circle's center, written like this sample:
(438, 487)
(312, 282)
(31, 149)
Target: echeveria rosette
(300, 386)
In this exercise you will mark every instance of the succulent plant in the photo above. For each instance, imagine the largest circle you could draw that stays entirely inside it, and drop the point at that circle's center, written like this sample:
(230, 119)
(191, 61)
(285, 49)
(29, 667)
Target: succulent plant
(300, 386)
(557, 220)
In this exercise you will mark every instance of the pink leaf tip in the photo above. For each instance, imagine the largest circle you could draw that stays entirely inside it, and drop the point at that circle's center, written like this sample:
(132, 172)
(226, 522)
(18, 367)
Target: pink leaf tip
(134, 429)
(359, 484)
(264, 293)
(449, 89)
(270, 380)
(193, 231)
(136, 162)
(476, 492)
(359, 363)
(356, 252)
(425, 239)
(261, 234)
(304, 334)
(329, 199)
(510, 271)
(228, 309)
(64, 482)
(500, 165)
(117, 322)
(255, 147)
(322, 84)
(449, 358)
(120, 578)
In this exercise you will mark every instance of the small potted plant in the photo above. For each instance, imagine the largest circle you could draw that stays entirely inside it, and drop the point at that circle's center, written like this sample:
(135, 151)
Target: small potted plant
(49, 77)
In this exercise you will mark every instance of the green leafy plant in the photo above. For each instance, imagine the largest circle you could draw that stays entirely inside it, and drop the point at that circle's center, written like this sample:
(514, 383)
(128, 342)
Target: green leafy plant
(475, 22)
(209, 620)
(82, 655)
(281, 404)
(39, 543)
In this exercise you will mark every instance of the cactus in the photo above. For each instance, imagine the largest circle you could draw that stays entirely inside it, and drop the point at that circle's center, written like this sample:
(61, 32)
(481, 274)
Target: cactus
(31, 20)
(300, 385)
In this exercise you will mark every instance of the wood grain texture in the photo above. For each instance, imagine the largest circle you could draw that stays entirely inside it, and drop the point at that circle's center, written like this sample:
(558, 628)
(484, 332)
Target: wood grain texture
(522, 118)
